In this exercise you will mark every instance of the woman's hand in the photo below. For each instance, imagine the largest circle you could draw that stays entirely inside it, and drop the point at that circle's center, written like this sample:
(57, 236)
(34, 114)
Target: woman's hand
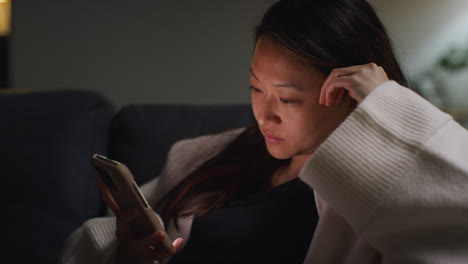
(358, 81)
(133, 249)
(142, 249)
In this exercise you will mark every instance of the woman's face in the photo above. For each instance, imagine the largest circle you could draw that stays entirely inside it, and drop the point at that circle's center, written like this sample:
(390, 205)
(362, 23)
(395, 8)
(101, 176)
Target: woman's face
(285, 96)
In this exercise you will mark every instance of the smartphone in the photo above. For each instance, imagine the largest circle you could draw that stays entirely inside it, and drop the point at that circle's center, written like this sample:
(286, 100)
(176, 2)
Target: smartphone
(126, 193)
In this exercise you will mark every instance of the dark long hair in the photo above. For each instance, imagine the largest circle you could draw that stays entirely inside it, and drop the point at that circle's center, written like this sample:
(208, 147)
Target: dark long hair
(330, 34)
(326, 34)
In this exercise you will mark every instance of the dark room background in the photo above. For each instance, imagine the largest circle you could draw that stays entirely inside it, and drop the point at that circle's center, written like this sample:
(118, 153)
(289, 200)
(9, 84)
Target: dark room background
(198, 52)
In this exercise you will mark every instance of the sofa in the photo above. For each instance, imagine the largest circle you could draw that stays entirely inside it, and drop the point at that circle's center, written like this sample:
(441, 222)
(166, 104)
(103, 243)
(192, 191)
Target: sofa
(47, 138)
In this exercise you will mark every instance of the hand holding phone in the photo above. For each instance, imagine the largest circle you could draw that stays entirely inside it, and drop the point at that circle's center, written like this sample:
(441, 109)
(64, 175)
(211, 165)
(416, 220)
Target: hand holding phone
(122, 194)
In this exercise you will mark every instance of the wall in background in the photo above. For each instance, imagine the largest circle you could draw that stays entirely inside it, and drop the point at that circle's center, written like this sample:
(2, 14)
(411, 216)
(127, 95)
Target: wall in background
(139, 51)
(424, 29)
(165, 51)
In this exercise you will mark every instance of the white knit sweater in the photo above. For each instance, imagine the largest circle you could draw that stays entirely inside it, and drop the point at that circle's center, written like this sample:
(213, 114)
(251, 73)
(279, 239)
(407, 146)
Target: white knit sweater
(391, 186)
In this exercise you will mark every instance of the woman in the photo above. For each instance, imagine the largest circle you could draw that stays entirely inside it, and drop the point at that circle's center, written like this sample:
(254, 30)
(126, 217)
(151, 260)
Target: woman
(344, 165)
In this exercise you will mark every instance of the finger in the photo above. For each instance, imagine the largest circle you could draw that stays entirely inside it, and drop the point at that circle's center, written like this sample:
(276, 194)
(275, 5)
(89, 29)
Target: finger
(332, 95)
(107, 196)
(156, 243)
(324, 88)
(156, 239)
(334, 74)
(155, 246)
(123, 231)
(128, 215)
(178, 243)
(333, 92)
(343, 83)
(339, 95)
(160, 255)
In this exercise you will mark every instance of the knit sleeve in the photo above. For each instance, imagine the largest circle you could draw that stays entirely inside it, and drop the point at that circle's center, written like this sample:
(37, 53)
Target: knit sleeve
(397, 170)
(93, 243)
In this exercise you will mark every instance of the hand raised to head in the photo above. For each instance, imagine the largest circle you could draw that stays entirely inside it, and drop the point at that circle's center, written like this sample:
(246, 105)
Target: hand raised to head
(358, 81)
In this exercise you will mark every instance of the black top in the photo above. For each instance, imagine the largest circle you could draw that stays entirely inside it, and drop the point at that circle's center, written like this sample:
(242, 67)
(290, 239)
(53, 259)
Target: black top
(272, 226)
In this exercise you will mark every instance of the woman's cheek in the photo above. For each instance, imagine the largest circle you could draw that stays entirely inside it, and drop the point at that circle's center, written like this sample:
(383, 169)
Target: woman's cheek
(255, 106)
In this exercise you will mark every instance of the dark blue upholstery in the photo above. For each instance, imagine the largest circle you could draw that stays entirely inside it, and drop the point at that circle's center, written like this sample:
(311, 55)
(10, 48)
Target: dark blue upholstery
(142, 134)
(46, 141)
(49, 189)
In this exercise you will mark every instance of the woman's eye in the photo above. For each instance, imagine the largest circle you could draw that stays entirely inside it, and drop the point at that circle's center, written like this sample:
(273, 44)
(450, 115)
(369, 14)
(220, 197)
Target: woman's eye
(255, 89)
(283, 100)
(286, 101)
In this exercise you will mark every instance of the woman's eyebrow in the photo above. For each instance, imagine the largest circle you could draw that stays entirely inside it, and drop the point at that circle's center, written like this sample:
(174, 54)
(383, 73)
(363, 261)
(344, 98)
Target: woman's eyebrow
(280, 85)
(289, 85)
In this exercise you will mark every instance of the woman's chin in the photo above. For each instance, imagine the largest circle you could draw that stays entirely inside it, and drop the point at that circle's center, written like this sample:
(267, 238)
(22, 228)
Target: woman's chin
(279, 153)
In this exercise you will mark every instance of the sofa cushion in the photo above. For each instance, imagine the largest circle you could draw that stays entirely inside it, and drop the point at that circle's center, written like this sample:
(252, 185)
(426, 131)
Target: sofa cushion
(141, 135)
(46, 140)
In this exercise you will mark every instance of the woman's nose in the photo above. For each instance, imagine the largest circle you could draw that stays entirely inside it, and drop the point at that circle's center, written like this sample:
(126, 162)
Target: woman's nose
(267, 113)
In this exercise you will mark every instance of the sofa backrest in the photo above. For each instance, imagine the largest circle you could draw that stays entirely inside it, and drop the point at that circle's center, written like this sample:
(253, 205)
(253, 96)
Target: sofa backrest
(142, 135)
(46, 139)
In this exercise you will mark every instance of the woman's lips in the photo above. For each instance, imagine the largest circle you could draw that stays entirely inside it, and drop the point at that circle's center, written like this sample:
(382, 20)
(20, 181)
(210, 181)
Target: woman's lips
(270, 138)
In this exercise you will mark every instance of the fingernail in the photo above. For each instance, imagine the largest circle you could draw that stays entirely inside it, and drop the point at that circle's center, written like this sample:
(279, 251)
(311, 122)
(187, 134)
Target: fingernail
(178, 242)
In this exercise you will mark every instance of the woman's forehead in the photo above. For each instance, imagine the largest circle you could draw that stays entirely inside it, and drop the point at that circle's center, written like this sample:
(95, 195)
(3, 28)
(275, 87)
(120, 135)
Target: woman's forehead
(272, 60)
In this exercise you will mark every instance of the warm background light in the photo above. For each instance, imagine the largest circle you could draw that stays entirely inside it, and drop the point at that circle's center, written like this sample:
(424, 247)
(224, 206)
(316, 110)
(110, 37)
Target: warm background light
(5, 8)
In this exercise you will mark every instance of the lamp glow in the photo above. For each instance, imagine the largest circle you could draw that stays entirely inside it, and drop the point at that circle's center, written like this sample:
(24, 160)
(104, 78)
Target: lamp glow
(5, 15)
